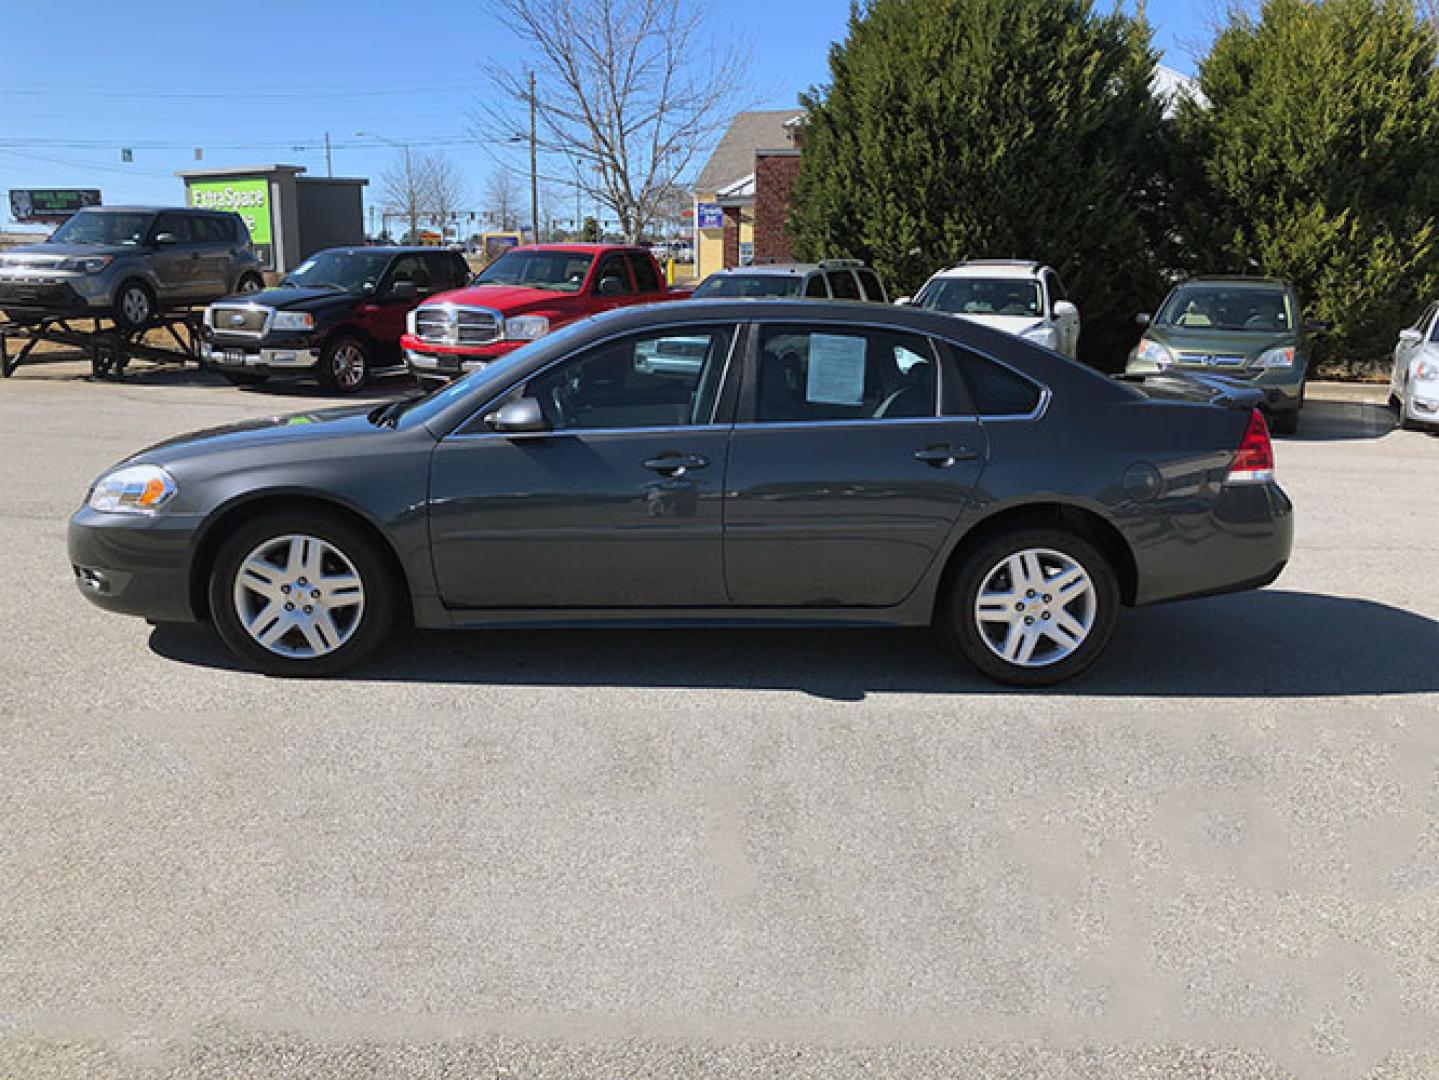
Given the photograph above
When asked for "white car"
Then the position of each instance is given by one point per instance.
(1414, 382)
(1022, 298)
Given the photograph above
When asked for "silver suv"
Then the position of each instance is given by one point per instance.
(830, 279)
(129, 263)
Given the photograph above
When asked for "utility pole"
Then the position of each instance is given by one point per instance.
(329, 165)
(534, 165)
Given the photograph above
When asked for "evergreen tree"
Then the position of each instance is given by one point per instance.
(1317, 160)
(956, 129)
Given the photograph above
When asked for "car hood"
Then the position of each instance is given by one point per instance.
(1010, 324)
(291, 432)
(287, 299)
(509, 299)
(1246, 343)
(47, 254)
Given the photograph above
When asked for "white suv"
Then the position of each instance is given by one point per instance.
(1021, 298)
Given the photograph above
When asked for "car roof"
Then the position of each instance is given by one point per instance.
(585, 249)
(765, 269)
(150, 210)
(384, 249)
(1020, 269)
(1236, 281)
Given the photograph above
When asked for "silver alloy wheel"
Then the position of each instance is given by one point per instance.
(348, 366)
(299, 596)
(1036, 607)
(135, 305)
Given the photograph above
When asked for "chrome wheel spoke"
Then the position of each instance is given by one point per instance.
(270, 632)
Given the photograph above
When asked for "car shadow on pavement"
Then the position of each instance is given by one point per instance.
(1253, 645)
(1339, 421)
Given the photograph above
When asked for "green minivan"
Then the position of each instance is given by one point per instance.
(1241, 328)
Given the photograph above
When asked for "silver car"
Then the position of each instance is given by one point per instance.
(1414, 381)
(129, 263)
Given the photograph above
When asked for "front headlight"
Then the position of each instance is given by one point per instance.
(92, 264)
(1152, 352)
(1426, 371)
(135, 489)
(293, 320)
(1275, 358)
(526, 327)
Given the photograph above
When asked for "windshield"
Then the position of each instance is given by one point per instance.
(105, 227)
(351, 271)
(983, 296)
(554, 271)
(1227, 308)
(749, 285)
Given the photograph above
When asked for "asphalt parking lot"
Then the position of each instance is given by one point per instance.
(762, 854)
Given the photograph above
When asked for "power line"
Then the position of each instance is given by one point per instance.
(239, 94)
(87, 165)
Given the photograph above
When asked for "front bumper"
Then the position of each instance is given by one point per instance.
(254, 357)
(432, 364)
(59, 294)
(1422, 408)
(135, 565)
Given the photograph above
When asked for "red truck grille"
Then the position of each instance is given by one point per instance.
(449, 324)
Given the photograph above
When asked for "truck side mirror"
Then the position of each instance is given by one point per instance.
(1063, 309)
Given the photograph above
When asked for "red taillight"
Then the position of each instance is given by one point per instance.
(1254, 463)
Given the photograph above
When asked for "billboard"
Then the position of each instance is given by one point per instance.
(50, 205)
(250, 198)
(711, 215)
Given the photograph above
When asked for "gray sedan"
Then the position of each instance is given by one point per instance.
(789, 463)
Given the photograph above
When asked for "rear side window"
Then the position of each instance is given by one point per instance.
(995, 389)
(216, 230)
(842, 284)
(873, 290)
(411, 268)
(841, 373)
(647, 279)
(815, 287)
(447, 271)
(613, 266)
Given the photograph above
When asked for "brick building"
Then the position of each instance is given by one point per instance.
(743, 192)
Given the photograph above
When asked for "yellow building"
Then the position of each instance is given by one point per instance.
(724, 194)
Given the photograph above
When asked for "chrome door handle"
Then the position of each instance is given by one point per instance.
(942, 457)
(676, 464)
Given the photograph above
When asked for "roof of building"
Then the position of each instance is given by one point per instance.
(733, 158)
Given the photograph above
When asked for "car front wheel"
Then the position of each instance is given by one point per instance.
(344, 365)
(134, 306)
(302, 593)
(1033, 607)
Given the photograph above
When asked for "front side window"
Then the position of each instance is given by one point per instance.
(552, 271)
(411, 268)
(105, 227)
(668, 378)
(814, 374)
(1214, 307)
(983, 296)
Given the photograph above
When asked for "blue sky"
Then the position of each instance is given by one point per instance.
(266, 86)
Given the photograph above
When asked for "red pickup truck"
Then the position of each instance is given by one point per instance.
(522, 295)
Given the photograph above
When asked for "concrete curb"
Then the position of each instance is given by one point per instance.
(1362, 393)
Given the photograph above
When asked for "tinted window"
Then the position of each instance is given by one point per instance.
(411, 268)
(873, 290)
(613, 266)
(177, 225)
(843, 285)
(996, 390)
(214, 229)
(815, 287)
(647, 279)
(666, 378)
(841, 374)
(447, 271)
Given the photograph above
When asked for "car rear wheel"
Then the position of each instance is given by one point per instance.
(344, 365)
(1033, 606)
(302, 593)
(134, 306)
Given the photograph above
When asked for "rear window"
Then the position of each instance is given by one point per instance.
(749, 285)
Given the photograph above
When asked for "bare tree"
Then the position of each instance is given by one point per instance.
(629, 88)
(445, 189)
(502, 198)
(404, 183)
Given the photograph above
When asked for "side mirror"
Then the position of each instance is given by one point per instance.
(1143, 319)
(903, 301)
(161, 239)
(403, 290)
(1063, 309)
(1410, 336)
(611, 286)
(1319, 326)
(518, 416)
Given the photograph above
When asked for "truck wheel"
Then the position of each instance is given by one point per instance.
(1032, 606)
(344, 365)
(134, 306)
